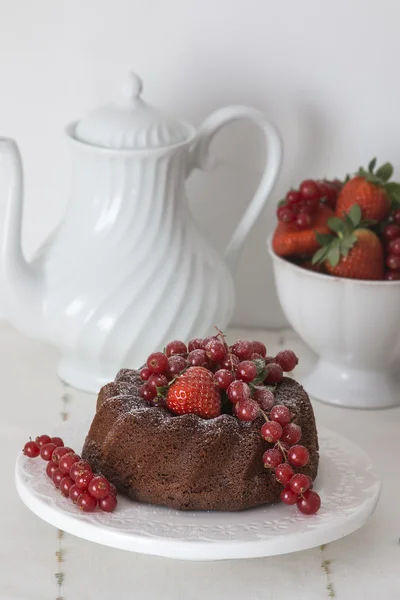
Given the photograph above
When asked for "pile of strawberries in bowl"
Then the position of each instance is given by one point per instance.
(347, 229)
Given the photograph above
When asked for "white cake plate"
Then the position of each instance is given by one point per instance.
(347, 483)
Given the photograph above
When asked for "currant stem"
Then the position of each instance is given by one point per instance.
(221, 335)
(223, 340)
(281, 448)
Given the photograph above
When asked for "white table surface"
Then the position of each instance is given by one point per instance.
(364, 565)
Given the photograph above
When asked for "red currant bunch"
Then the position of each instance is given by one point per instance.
(391, 236)
(285, 455)
(72, 475)
(300, 206)
(246, 378)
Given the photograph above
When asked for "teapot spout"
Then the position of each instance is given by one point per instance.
(21, 285)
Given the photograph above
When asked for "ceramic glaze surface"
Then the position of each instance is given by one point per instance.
(131, 124)
(347, 482)
(127, 270)
(145, 273)
(353, 326)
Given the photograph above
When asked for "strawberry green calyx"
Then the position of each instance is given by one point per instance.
(342, 239)
(380, 178)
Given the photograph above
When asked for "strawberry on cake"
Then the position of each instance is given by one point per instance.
(208, 426)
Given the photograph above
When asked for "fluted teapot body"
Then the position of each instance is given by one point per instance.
(127, 270)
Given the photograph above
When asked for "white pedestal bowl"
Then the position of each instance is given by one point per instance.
(353, 326)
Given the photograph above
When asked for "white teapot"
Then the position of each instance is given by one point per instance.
(126, 270)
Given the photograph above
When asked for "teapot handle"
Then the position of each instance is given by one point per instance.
(199, 159)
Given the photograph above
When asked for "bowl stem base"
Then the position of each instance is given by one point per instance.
(353, 388)
(82, 376)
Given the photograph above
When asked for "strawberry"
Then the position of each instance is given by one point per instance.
(195, 392)
(371, 190)
(352, 251)
(289, 240)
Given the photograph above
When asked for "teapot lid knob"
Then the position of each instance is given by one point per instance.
(130, 123)
(133, 87)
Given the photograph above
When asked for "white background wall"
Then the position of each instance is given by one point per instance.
(326, 73)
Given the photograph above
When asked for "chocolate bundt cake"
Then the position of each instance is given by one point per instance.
(187, 462)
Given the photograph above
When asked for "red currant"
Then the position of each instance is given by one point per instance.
(41, 440)
(247, 410)
(157, 362)
(46, 451)
(285, 214)
(50, 468)
(65, 484)
(108, 504)
(158, 402)
(291, 433)
(99, 487)
(238, 391)
(57, 441)
(146, 392)
(288, 496)
(155, 381)
(309, 189)
(293, 197)
(284, 473)
(79, 467)
(207, 340)
(197, 358)
(337, 184)
(269, 360)
(176, 364)
(145, 373)
(195, 344)
(331, 194)
(272, 458)
(307, 207)
(243, 349)
(113, 490)
(271, 431)
(86, 502)
(230, 362)
(396, 216)
(303, 220)
(391, 232)
(83, 478)
(298, 456)
(392, 276)
(287, 360)
(309, 503)
(246, 371)
(300, 483)
(175, 347)
(274, 374)
(215, 350)
(57, 477)
(74, 493)
(259, 348)
(324, 189)
(393, 262)
(264, 398)
(60, 452)
(67, 461)
(224, 378)
(31, 449)
(310, 206)
(280, 414)
(394, 247)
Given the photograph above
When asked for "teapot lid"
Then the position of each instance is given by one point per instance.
(131, 124)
